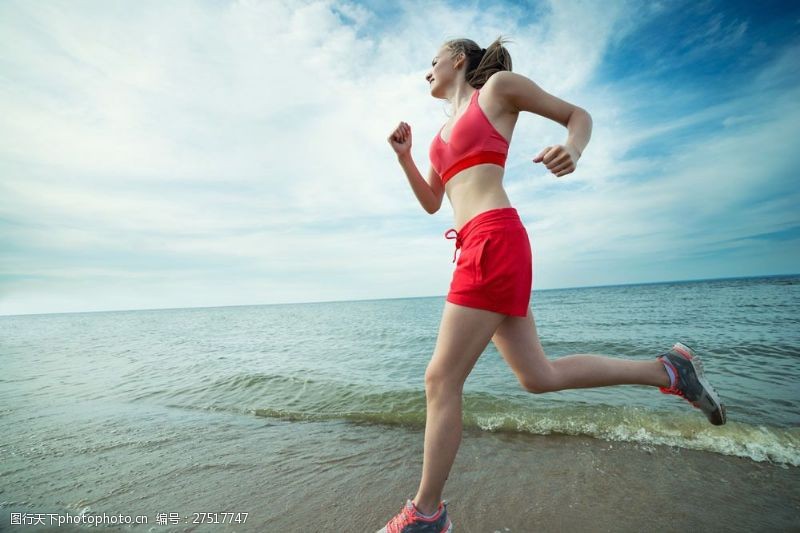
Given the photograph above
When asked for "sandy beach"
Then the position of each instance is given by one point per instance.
(345, 477)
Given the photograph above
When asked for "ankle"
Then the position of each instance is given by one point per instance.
(669, 373)
(426, 507)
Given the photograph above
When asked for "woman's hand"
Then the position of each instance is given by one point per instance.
(400, 139)
(560, 159)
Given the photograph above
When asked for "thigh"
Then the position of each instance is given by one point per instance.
(464, 333)
(518, 342)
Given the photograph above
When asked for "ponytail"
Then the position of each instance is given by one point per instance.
(481, 62)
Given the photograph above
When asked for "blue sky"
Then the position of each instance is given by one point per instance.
(175, 154)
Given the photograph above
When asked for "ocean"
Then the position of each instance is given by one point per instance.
(209, 409)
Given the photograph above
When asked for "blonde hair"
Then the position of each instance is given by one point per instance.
(481, 63)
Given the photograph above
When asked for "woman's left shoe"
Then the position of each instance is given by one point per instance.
(691, 384)
(410, 520)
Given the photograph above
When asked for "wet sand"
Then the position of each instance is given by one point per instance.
(345, 477)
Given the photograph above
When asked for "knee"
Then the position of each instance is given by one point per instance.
(535, 386)
(438, 383)
(543, 381)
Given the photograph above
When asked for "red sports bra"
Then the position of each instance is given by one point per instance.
(473, 140)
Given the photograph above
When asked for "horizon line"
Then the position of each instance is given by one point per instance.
(401, 297)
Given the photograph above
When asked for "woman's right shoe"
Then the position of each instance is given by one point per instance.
(410, 520)
(691, 384)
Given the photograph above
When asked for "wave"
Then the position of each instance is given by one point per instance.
(639, 425)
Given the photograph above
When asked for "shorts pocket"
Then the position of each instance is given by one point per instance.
(479, 262)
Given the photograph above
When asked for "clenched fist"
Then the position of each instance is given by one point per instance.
(560, 159)
(400, 139)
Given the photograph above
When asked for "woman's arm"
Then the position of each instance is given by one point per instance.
(428, 193)
(522, 94)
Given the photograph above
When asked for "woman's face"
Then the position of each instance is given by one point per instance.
(442, 72)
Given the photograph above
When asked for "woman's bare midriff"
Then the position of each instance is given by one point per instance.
(475, 190)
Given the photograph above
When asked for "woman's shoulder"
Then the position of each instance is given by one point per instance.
(495, 93)
(505, 79)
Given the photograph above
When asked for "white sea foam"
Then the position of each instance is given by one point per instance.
(759, 443)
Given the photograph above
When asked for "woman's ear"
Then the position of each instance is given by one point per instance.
(460, 58)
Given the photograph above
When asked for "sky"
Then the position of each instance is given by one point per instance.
(208, 153)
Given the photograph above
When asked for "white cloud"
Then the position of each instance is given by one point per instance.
(234, 152)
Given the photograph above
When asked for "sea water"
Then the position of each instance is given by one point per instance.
(364, 362)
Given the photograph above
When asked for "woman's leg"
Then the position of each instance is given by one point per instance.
(464, 333)
(518, 342)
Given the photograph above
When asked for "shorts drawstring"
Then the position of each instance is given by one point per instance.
(459, 242)
(498, 217)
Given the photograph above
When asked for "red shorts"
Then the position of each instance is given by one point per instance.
(495, 266)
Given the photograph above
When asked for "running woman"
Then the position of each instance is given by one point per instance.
(491, 286)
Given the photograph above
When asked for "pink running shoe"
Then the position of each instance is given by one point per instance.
(410, 520)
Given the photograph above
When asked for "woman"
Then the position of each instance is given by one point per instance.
(491, 286)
